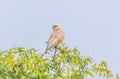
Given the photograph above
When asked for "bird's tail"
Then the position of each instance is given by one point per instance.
(46, 51)
(48, 48)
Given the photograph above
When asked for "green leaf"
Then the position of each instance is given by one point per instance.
(89, 73)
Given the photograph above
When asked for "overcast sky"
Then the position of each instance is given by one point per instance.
(91, 25)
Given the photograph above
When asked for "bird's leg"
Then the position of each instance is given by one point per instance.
(55, 51)
(54, 54)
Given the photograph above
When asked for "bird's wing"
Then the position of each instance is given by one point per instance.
(51, 41)
(56, 37)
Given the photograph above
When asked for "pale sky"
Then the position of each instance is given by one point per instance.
(91, 25)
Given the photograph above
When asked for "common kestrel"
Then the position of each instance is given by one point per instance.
(56, 38)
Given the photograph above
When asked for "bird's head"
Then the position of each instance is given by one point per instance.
(56, 27)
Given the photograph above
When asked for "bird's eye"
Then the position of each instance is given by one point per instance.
(56, 26)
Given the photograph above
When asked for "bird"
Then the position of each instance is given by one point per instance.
(55, 39)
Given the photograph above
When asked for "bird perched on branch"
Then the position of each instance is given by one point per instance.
(55, 39)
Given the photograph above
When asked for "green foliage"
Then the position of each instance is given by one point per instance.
(19, 63)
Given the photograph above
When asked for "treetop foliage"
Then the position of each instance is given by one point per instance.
(20, 63)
